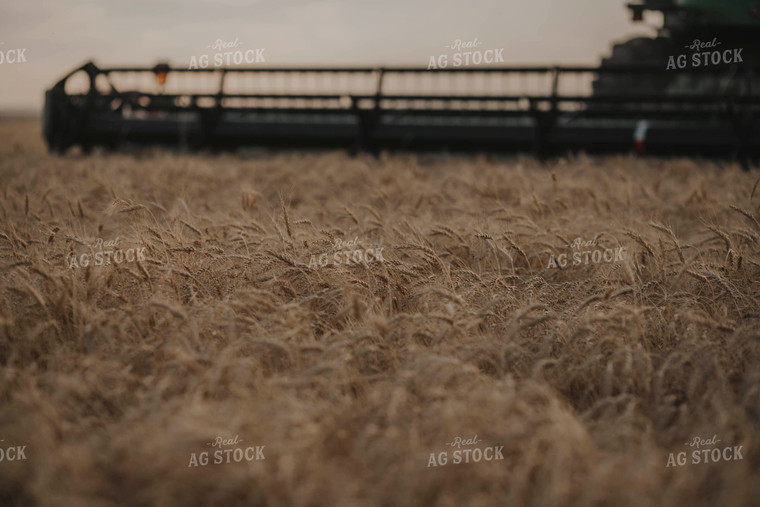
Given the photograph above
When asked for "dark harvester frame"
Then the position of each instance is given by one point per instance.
(690, 123)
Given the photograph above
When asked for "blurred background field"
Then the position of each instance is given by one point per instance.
(352, 375)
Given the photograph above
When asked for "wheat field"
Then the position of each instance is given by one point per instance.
(226, 330)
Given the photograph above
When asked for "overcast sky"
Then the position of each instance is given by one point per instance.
(59, 35)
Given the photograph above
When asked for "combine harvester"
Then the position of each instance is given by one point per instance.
(662, 95)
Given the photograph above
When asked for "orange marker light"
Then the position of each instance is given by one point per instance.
(161, 71)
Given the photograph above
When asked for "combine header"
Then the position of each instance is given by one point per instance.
(537, 109)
